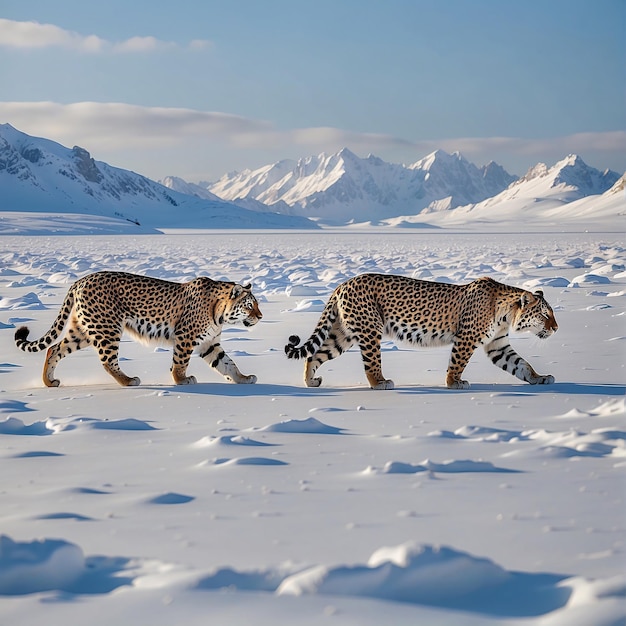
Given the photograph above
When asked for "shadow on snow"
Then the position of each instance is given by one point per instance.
(261, 389)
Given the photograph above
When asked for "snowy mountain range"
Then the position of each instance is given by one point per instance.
(568, 192)
(192, 189)
(39, 175)
(343, 187)
(549, 193)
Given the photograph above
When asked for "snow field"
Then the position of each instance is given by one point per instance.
(273, 503)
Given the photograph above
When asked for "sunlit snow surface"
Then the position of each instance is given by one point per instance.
(277, 504)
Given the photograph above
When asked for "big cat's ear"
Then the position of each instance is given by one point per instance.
(248, 287)
(236, 291)
(539, 293)
(526, 299)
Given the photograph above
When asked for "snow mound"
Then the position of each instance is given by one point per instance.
(309, 425)
(28, 281)
(171, 498)
(485, 433)
(551, 281)
(124, 424)
(419, 574)
(447, 467)
(29, 567)
(229, 440)
(27, 302)
(589, 279)
(611, 408)
(15, 426)
(308, 305)
(249, 460)
(444, 577)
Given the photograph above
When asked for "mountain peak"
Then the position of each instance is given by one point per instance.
(496, 176)
(571, 160)
(7, 128)
(567, 181)
(439, 159)
(536, 171)
(340, 187)
(572, 171)
(346, 153)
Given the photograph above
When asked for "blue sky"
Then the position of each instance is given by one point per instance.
(196, 89)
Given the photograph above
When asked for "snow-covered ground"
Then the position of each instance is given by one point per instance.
(277, 504)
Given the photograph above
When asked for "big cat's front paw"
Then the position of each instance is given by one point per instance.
(241, 379)
(548, 379)
(384, 384)
(458, 384)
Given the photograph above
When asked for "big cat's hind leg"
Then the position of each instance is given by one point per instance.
(334, 345)
(72, 342)
(107, 345)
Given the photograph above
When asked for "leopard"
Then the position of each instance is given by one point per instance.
(99, 307)
(426, 313)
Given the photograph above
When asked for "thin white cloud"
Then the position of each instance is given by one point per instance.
(141, 44)
(116, 125)
(325, 135)
(612, 141)
(27, 35)
(107, 129)
(199, 44)
(33, 35)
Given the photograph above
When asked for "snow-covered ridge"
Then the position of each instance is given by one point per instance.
(342, 187)
(569, 191)
(176, 183)
(41, 176)
(571, 174)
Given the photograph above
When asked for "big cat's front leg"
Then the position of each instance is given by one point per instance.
(215, 356)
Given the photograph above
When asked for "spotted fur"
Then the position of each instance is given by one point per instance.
(101, 306)
(367, 307)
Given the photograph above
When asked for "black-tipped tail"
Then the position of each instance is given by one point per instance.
(291, 349)
(21, 334)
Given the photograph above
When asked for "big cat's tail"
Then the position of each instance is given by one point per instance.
(21, 334)
(293, 351)
(320, 334)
